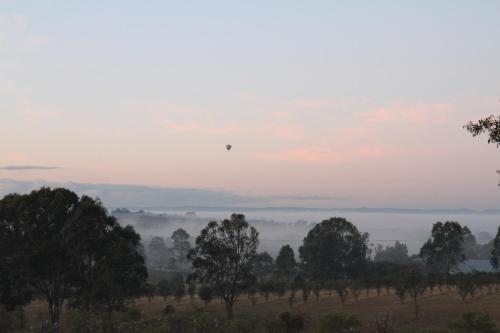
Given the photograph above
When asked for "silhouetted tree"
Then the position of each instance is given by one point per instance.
(280, 288)
(177, 287)
(495, 253)
(191, 289)
(341, 288)
(266, 288)
(466, 285)
(401, 290)
(222, 257)
(206, 294)
(397, 254)
(181, 247)
(163, 289)
(316, 289)
(262, 266)
(355, 288)
(414, 281)
(158, 253)
(149, 291)
(445, 248)
(334, 248)
(108, 266)
(252, 293)
(286, 265)
(14, 284)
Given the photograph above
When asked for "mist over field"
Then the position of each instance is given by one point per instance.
(279, 219)
(280, 226)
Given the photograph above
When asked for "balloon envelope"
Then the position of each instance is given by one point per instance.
(228, 147)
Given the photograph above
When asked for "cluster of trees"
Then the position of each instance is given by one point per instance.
(163, 258)
(59, 247)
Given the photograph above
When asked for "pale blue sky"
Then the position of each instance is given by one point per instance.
(358, 99)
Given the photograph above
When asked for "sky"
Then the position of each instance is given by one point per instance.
(355, 103)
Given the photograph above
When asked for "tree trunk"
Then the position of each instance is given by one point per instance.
(55, 313)
(229, 310)
(416, 307)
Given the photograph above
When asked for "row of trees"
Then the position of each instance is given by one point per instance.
(225, 258)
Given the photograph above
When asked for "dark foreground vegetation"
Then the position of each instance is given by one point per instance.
(67, 254)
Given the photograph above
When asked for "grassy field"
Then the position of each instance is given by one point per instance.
(436, 311)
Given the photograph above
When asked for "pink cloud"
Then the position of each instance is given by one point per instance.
(313, 103)
(418, 113)
(181, 127)
(25, 108)
(225, 129)
(7, 87)
(17, 158)
(184, 127)
(288, 132)
(325, 155)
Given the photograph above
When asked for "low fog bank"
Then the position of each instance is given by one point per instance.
(277, 225)
(278, 228)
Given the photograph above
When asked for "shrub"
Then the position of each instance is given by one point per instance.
(266, 288)
(291, 297)
(206, 294)
(401, 291)
(240, 325)
(339, 323)
(191, 290)
(280, 288)
(355, 289)
(82, 321)
(251, 293)
(465, 286)
(341, 290)
(287, 323)
(168, 310)
(11, 321)
(474, 322)
(316, 289)
(178, 287)
(385, 324)
(163, 289)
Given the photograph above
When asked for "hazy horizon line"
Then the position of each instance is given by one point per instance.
(187, 198)
(394, 210)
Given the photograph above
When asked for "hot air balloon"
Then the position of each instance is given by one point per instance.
(228, 147)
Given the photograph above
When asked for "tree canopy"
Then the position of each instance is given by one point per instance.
(397, 254)
(495, 253)
(334, 249)
(489, 125)
(262, 266)
(445, 247)
(286, 265)
(223, 256)
(181, 248)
